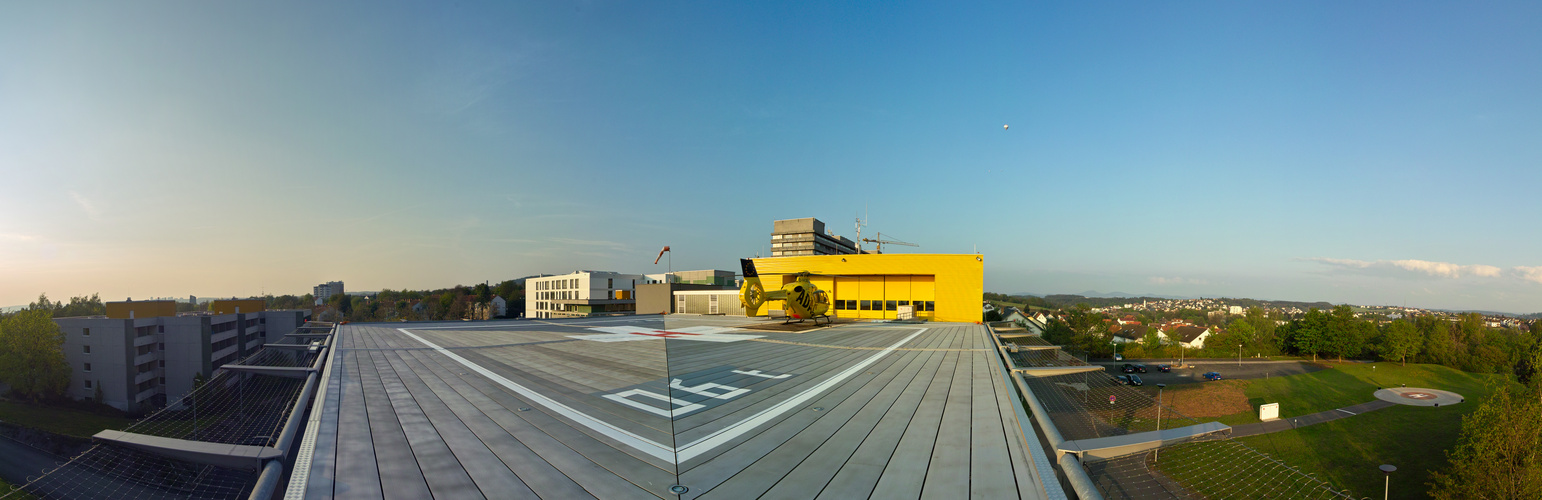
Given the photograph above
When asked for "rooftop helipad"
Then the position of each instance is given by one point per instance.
(631, 407)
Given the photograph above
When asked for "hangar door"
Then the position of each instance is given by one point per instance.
(879, 297)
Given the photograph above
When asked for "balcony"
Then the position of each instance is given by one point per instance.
(146, 394)
(142, 377)
(222, 353)
(226, 335)
(151, 357)
(145, 340)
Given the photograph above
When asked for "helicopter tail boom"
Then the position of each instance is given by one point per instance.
(752, 294)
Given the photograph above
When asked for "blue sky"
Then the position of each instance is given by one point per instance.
(1374, 153)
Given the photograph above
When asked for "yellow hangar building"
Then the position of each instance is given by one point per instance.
(940, 287)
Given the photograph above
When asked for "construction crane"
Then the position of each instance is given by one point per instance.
(881, 242)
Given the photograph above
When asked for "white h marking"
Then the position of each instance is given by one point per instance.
(757, 373)
(648, 446)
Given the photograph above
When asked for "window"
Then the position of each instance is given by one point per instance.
(85, 332)
(840, 305)
(161, 346)
(88, 368)
(931, 306)
(866, 305)
(889, 305)
(87, 349)
(610, 282)
(88, 384)
(160, 329)
(904, 302)
(162, 363)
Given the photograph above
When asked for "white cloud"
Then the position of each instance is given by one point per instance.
(86, 205)
(1446, 269)
(1530, 273)
(1427, 268)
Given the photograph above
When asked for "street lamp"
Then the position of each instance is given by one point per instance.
(1116, 350)
(1158, 453)
(1239, 355)
(1387, 470)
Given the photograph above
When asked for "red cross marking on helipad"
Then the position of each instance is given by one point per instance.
(664, 334)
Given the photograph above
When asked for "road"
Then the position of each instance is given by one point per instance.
(1193, 369)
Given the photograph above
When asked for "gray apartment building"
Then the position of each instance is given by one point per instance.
(142, 361)
(323, 291)
(807, 237)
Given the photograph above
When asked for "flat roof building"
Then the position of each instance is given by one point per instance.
(668, 407)
(581, 293)
(807, 236)
(325, 290)
(141, 361)
(938, 287)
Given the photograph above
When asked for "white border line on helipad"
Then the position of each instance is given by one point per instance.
(654, 448)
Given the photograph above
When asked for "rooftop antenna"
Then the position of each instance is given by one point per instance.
(861, 221)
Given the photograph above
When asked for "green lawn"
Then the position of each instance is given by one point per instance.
(1346, 452)
(59, 420)
(1350, 384)
(7, 488)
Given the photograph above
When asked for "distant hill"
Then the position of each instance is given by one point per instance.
(1095, 299)
(11, 309)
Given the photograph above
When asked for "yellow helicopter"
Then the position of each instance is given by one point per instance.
(804, 300)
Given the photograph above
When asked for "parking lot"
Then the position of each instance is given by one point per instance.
(1193, 369)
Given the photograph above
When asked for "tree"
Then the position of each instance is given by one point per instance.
(43, 304)
(1243, 330)
(1499, 454)
(446, 301)
(343, 303)
(1306, 335)
(80, 306)
(32, 355)
(1439, 345)
(1399, 341)
(483, 293)
(1527, 368)
(507, 290)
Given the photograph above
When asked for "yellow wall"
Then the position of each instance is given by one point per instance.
(247, 306)
(141, 309)
(955, 282)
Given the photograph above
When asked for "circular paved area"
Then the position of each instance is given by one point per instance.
(1414, 396)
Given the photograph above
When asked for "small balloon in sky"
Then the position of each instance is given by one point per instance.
(1004, 127)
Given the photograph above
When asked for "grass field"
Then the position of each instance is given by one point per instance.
(7, 488)
(59, 420)
(1347, 451)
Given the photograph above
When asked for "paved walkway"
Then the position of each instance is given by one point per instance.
(1309, 419)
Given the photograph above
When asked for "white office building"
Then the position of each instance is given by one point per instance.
(582, 293)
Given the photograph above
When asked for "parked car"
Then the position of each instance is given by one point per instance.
(1118, 357)
(1127, 368)
(1123, 379)
(1164, 368)
(1140, 368)
(1212, 376)
(1135, 380)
